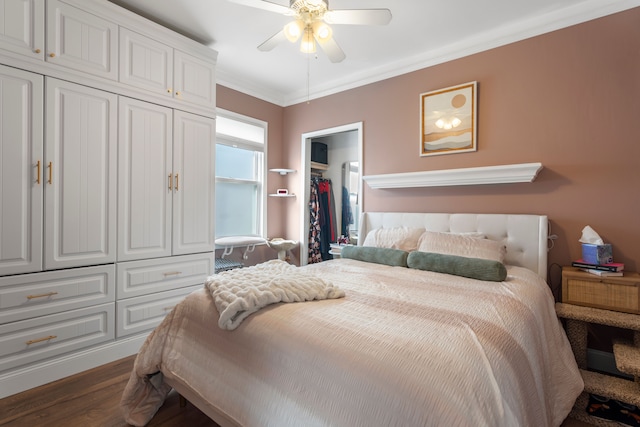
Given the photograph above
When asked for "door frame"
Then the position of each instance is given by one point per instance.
(305, 176)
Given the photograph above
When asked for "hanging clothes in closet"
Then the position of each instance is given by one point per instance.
(322, 220)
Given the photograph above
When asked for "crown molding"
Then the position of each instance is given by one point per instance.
(231, 81)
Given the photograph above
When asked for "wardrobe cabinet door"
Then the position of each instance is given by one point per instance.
(195, 80)
(146, 63)
(145, 180)
(194, 183)
(21, 180)
(82, 41)
(79, 175)
(24, 32)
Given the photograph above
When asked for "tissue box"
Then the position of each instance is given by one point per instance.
(597, 254)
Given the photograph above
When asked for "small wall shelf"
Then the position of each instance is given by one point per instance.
(503, 174)
(282, 195)
(282, 171)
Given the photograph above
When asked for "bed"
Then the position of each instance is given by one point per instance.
(405, 346)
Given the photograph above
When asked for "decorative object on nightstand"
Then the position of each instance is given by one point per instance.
(612, 301)
(597, 256)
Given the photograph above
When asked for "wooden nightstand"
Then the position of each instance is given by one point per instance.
(609, 293)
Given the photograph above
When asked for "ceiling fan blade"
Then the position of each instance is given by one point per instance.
(358, 16)
(272, 41)
(265, 5)
(331, 49)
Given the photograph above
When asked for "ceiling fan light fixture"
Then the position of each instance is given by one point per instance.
(311, 23)
(322, 31)
(308, 43)
(309, 5)
(293, 30)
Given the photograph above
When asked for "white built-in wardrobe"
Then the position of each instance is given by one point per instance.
(107, 133)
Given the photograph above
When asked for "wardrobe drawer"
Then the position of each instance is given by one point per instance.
(144, 313)
(34, 340)
(136, 278)
(38, 294)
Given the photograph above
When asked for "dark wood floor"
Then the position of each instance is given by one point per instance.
(92, 398)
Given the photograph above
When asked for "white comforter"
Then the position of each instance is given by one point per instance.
(403, 348)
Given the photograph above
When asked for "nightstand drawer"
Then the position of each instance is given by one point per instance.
(610, 293)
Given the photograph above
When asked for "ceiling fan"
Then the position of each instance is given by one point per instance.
(310, 24)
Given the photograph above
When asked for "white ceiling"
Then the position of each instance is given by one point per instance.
(421, 33)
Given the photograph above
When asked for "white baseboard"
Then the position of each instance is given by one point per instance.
(604, 362)
(52, 370)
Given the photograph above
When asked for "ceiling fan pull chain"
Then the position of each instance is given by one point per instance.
(308, 75)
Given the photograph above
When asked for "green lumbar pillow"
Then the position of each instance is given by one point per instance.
(474, 268)
(387, 256)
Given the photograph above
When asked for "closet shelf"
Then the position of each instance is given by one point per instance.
(503, 174)
(319, 166)
(282, 171)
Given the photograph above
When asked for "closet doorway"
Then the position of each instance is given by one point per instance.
(339, 140)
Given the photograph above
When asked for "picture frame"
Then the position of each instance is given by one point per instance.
(448, 120)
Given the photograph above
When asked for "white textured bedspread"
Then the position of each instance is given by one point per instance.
(404, 347)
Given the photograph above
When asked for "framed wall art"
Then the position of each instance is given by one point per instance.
(448, 120)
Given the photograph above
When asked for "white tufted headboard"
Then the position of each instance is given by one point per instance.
(525, 236)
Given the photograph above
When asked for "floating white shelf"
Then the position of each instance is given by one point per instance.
(282, 171)
(503, 174)
(282, 195)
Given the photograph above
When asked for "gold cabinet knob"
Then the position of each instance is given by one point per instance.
(37, 51)
(169, 90)
(52, 55)
(177, 93)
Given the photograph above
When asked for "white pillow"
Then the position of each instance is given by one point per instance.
(403, 238)
(461, 245)
(476, 234)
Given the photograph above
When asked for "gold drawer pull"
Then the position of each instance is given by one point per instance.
(50, 173)
(169, 308)
(170, 181)
(49, 294)
(176, 182)
(50, 337)
(171, 273)
(38, 168)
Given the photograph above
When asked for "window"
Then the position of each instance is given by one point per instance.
(240, 175)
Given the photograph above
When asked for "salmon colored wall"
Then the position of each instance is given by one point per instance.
(568, 99)
(241, 103)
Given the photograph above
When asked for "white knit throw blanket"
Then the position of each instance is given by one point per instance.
(239, 293)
